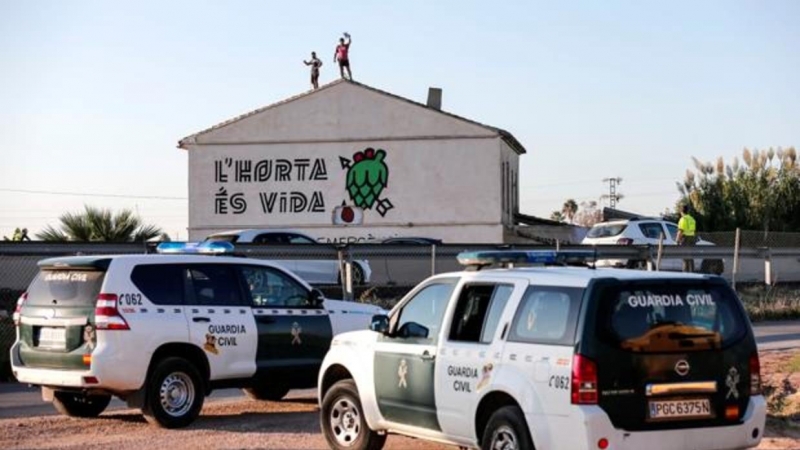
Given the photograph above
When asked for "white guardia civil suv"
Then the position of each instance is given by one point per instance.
(162, 331)
(550, 358)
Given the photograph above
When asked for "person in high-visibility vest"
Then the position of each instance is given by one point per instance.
(687, 235)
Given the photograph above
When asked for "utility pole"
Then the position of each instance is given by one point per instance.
(613, 196)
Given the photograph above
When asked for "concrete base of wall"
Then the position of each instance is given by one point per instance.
(478, 233)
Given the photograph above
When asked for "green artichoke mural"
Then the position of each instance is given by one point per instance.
(367, 177)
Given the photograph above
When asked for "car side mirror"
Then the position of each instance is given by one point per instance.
(316, 298)
(380, 324)
(413, 330)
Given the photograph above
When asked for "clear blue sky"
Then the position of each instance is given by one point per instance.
(95, 95)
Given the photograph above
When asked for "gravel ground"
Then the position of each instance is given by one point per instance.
(224, 424)
(291, 424)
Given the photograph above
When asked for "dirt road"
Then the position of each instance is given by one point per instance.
(224, 424)
(235, 422)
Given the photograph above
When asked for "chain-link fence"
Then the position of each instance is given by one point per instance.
(382, 274)
(754, 239)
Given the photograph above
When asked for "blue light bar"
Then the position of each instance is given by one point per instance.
(203, 248)
(491, 257)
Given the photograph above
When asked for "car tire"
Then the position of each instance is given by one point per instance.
(636, 264)
(507, 429)
(712, 266)
(74, 404)
(342, 420)
(358, 275)
(174, 394)
(268, 392)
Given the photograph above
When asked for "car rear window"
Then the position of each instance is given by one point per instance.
(162, 284)
(601, 231)
(65, 288)
(232, 238)
(666, 317)
(547, 315)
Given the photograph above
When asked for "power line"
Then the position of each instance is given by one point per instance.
(578, 199)
(83, 194)
(577, 182)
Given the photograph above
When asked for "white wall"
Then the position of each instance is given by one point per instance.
(431, 183)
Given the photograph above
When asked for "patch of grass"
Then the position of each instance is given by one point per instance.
(793, 365)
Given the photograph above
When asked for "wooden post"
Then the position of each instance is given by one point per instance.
(660, 251)
(735, 258)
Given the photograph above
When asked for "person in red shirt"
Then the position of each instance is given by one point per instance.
(341, 55)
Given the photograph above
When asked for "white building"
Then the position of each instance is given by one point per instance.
(413, 170)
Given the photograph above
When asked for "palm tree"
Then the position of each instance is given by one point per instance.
(101, 225)
(558, 216)
(569, 209)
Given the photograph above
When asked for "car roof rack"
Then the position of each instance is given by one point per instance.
(509, 258)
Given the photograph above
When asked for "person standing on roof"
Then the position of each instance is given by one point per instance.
(687, 228)
(341, 55)
(315, 64)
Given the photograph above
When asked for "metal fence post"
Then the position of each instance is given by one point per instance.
(342, 271)
(767, 267)
(433, 259)
(660, 251)
(348, 270)
(735, 258)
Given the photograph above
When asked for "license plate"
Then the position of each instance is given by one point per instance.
(53, 337)
(680, 409)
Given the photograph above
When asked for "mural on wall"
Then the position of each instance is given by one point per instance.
(367, 177)
(275, 171)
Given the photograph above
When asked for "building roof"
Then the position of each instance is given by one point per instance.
(507, 137)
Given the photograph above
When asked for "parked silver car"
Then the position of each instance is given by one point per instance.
(321, 271)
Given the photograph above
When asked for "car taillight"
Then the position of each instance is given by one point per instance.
(584, 381)
(755, 374)
(18, 309)
(106, 314)
(624, 241)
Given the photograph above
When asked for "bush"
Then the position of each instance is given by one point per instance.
(781, 302)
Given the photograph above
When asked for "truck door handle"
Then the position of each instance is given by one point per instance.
(427, 356)
(201, 319)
